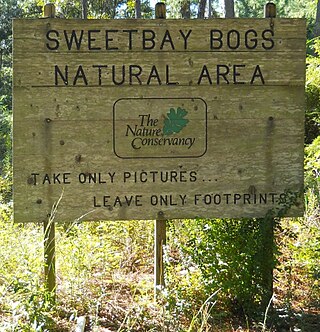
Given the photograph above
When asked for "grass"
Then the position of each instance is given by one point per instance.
(105, 273)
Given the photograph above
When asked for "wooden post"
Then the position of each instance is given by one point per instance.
(49, 10)
(48, 225)
(267, 228)
(160, 223)
(266, 259)
(159, 242)
(49, 255)
(160, 10)
(270, 10)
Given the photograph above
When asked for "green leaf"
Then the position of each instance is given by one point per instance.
(174, 122)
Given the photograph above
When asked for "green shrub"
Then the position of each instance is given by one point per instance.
(228, 257)
(226, 251)
(312, 123)
(312, 175)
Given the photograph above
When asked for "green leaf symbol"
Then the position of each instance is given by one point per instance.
(174, 122)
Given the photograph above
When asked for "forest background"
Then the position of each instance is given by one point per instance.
(214, 269)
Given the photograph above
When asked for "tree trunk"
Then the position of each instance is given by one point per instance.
(185, 9)
(202, 8)
(138, 8)
(209, 8)
(84, 9)
(316, 30)
(229, 8)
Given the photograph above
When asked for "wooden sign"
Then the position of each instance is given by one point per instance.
(136, 119)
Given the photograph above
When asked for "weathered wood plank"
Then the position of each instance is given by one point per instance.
(201, 204)
(60, 137)
(68, 104)
(287, 34)
(170, 69)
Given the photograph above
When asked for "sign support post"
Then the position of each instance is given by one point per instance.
(159, 242)
(267, 223)
(160, 223)
(49, 255)
(49, 225)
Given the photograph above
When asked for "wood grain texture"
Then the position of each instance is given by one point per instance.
(287, 32)
(199, 132)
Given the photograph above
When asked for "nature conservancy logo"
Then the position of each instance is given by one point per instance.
(175, 121)
(159, 127)
(155, 132)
